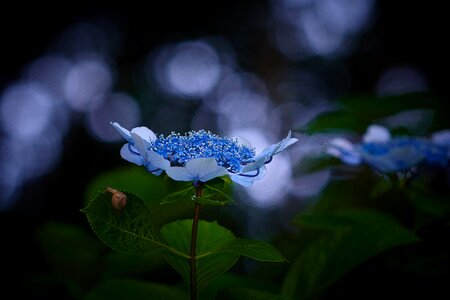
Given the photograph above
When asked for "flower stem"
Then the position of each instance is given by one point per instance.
(192, 260)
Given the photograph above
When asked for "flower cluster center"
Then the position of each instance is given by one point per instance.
(179, 149)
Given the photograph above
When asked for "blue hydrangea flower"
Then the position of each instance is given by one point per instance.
(386, 154)
(197, 156)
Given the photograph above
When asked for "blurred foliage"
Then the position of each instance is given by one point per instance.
(356, 113)
(342, 240)
(365, 236)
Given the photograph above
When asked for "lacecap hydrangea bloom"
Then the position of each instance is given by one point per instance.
(388, 154)
(197, 156)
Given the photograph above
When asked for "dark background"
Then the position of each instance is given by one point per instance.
(404, 32)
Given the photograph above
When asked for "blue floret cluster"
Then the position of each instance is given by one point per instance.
(179, 149)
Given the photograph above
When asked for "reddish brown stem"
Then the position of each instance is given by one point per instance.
(192, 260)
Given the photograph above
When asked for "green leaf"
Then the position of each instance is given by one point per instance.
(187, 194)
(210, 238)
(150, 188)
(128, 289)
(374, 107)
(337, 121)
(254, 249)
(317, 162)
(217, 192)
(239, 293)
(350, 238)
(229, 279)
(428, 201)
(357, 112)
(129, 230)
(143, 184)
(217, 250)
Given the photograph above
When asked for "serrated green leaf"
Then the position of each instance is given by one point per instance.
(128, 289)
(217, 250)
(210, 237)
(129, 230)
(254, 249)
(150, 188)
(217, 192)
(215, 196)
(240, 293)
(351, 237)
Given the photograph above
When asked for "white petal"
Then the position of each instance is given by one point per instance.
(123, 132)
(270, 151)
(139, 144)
(130, 156)
(441, 137)
(376, 134)
(204, 169)
(144, 133)
(200, 169)
(179, 174)
(157, 161)
(286, 142)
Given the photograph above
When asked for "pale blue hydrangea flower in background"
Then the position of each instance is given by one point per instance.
(197, 156)
(386, 154)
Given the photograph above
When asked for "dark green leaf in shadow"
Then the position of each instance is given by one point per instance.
(428, 201)
(349, 237)
(217, 192)
(136, 179)
(210, 262)
(129, 230)
(374, 107)
(254, 249)
(186, 194)
(230, 279)
(128, 289)
(336, 122)
(240, 293)
(317, 162)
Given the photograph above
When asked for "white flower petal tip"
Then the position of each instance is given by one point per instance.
(125, 133)
(284, 143)
(261, 159)
(376, 134)
(144, 133)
